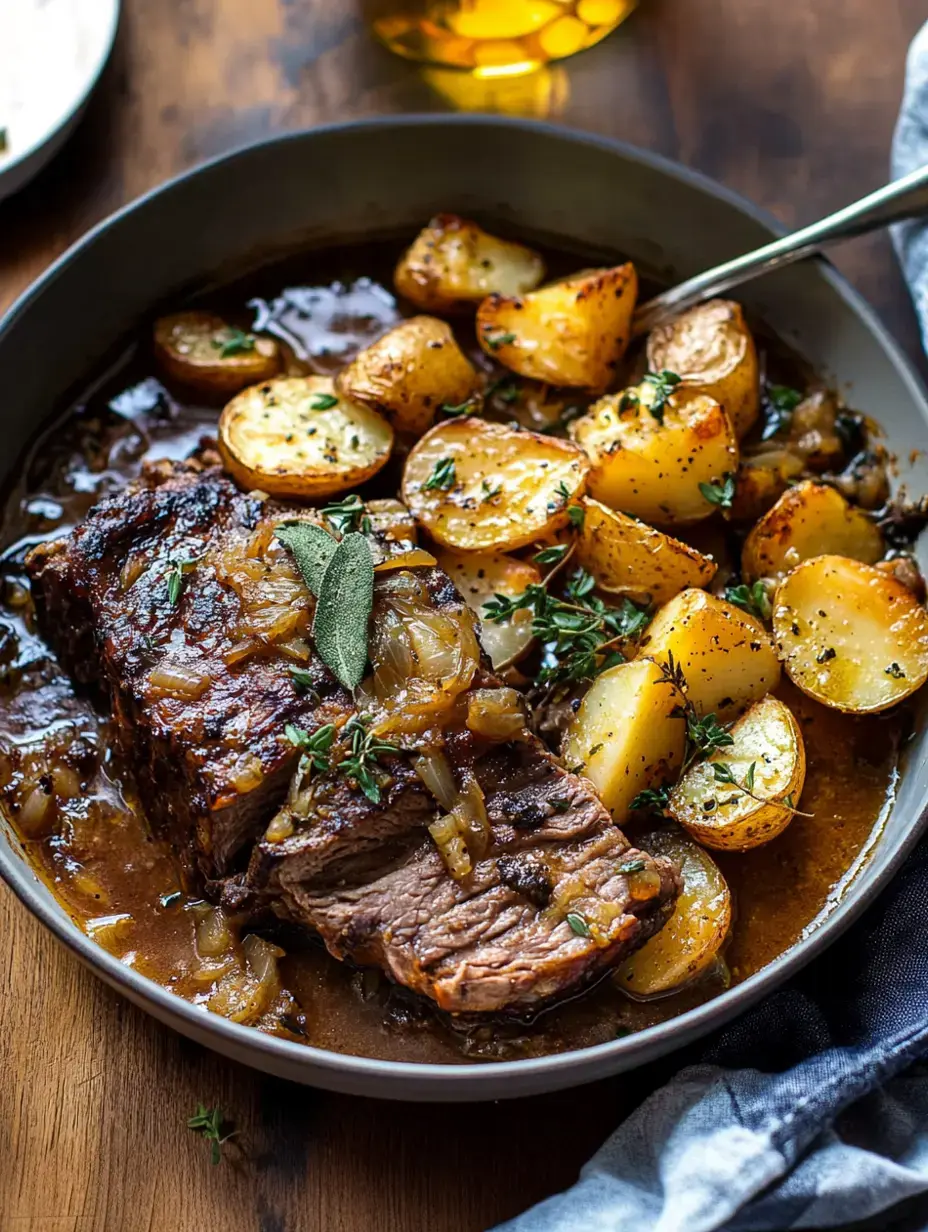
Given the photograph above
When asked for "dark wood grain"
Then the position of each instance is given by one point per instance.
(791, 104)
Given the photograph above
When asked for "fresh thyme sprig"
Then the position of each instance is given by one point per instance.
(175, 574)
(663, 383)
(361, 763)
(752, 599)
(210, 1122)
(345, 515)
(703, 735)
(723, 773)
(234, 342)
(442, 477)
(781, 402)
(721, 494)
(315, 745)
(579, 632)
(653, 799)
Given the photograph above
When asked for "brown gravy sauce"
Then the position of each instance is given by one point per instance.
(119, 883)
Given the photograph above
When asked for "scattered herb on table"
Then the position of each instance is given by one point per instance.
(210, 1123)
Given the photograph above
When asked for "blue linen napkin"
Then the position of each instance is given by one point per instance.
(811, 1111)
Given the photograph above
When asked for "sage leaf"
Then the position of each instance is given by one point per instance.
(312, 549)
(343, 609)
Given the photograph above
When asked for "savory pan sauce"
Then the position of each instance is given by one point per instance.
(74, 806)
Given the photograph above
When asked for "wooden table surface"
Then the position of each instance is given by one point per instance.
(793, 105)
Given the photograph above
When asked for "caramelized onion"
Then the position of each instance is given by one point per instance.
(212, 931)
(179, 679)
(433, 769)
(446, 834)
(497, 714)
(413, 559)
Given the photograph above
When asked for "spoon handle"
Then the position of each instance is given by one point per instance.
(901, 199)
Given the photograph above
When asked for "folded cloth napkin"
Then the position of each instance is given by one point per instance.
(811, 1111)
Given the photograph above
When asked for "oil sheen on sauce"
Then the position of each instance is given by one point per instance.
(90, 840)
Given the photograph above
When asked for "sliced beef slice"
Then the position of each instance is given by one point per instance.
(200, 689)
(371, 882)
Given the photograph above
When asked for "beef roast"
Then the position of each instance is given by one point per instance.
(558, 897)
(175, 598)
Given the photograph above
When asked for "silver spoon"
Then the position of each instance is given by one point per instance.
(902, 199)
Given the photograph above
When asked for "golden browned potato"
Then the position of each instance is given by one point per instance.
(628, 557)
(659, 464)
(409, 373)
(711, 349)
(629, 733)
(745, 795)
(453, 264)
(690, 941)
(201, 350)
(808, 520)
(851, 636)
(294, 436)
(572, 332)
(762, 479)
(478, 486)
(725, 655)
(481, 575)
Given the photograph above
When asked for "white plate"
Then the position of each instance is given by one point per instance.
(52, 53)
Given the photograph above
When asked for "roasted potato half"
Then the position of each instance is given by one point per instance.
(746, 794)
(410, 372)
(453, 264)
(808, 520)
(478, 486)
(202, 351)
(651, 463)
(481, 575)
(629, 557)
(726, 656)
(628, 734)
(690, 941)
(762, 479)
(711, 349)
(851, 636)
(294, 436)
(568, 333)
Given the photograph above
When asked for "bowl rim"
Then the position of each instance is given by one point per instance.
(482, 1080)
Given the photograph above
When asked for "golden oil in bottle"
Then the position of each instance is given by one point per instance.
(494, 38)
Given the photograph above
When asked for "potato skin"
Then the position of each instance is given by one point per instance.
(767, 737)
(453, 264)
(409, 372)
(851, 636)
(188, 347)
(568, 333)
(692, 938)
(711, 349)
(481, 575)
(509, 488)
(272, 438)
(628, 557)
(628, 734)
(651, 469)
(808, 520)
(726, 656)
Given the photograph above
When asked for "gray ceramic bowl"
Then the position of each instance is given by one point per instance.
(387, 175)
